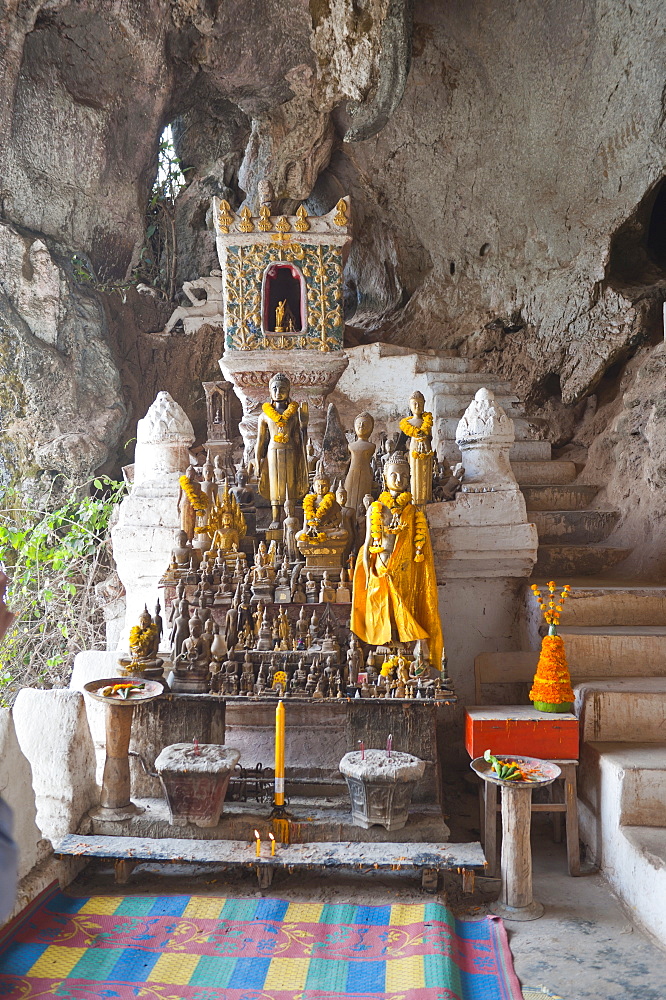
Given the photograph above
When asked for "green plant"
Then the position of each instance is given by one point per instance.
(54, 554)
(156, 265)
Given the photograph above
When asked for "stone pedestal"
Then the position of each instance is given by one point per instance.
(195, 778)
(148, 518)
(381, 787)
(313, 376)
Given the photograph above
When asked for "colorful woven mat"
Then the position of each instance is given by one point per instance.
(207, 948)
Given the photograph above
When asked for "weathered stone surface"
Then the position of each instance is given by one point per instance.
(17, 791)
(53, 733)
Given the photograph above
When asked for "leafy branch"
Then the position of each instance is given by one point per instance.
(54, 556)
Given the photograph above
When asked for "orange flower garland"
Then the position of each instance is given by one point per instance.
(552, 684)
(551, 689)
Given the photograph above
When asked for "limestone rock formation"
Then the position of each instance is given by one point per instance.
(505, 168)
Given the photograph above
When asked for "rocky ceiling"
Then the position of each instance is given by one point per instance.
(505, 162)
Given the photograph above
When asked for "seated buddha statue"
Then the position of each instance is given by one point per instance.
(323, 539)
(226, 527)
(144, 640)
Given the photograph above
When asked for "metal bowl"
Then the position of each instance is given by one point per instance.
(151, 689)
(546, 772)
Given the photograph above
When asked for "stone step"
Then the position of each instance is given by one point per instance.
(530, 451)
(641, 777)
(622, 709)
(312, 820)
(633, 857)
(544, 473)
(454, 403)
(563, 561)
(558, 497)
(598, 602)
(575, 526)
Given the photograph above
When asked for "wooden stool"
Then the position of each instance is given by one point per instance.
(489, 807)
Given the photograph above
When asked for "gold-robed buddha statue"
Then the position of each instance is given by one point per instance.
(280, 457)
(226, 524)
(395, 588)
(324, 537)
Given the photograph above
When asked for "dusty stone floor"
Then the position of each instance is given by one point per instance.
(585, 947)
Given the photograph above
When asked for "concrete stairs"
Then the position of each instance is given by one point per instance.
(571, 532)
(616, 631)
(622, 791)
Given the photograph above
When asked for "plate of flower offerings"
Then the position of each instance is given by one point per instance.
(508, 769)
(119, 690)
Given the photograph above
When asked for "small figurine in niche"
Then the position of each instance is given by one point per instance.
(298, 595)
(450, 484)
(143, 645)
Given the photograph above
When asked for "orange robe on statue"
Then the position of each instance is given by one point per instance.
(401, 595)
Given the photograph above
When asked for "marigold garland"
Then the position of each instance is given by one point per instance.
(141, 638)
(377, 526)
(281, 419)
(424, 431)
(314, 514)
(197, 498)
(552, 683)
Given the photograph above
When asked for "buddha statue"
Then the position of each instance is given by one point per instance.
(326, 590)
(311, 595)
(191, 666)
(394, 595)
(191, 501)
(290, 528)
(144, 640)
(181, 552)
(280, 459)
(323, 539)
(360, 475)
(354, 661)
(226, 527)
(416, 437)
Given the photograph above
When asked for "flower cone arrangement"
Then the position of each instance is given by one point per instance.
(551, 689)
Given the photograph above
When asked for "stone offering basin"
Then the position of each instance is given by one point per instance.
(545, 772)
(381, 787)
(195, 779)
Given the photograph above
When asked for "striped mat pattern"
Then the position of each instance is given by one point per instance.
(209, 948)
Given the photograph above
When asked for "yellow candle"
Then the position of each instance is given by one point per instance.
(272, 840)
(256, 833)
(279, 754)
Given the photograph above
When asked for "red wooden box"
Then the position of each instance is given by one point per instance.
(520, 729)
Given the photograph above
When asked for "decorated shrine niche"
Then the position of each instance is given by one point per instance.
(284, 299)
(282, 278)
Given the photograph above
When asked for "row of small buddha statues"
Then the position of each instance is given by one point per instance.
(259, 654)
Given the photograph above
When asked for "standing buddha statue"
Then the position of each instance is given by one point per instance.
(280, 457)
(395, 589)
(417, 430)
